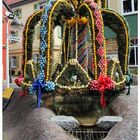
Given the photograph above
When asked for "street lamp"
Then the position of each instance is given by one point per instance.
(14, 22)
(8, 17)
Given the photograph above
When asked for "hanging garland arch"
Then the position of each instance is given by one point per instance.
(55, 11)
(57, 8)
(97, 36)
(28, 32)
(83, 9)
(118, 24)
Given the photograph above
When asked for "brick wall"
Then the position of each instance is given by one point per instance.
(111, 46)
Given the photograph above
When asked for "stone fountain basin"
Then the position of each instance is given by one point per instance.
(22, 120)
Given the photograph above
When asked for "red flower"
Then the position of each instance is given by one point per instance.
(16, 81)
(19, 81)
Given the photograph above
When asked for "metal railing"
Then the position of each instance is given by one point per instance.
(88, 134)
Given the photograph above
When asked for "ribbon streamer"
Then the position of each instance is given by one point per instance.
(102, 100)
(39, 97)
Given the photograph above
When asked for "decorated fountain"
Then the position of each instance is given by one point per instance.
(78, 19)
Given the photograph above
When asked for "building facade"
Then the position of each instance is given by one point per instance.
(5, 30)
(22, 10)
(128, 9)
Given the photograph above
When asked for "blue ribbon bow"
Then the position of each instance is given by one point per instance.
(38, 86)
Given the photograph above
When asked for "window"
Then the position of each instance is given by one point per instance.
(135, 5)
(38, 6)
(59, 32)
(38, 32)
(133, 52)
(129, 6)
(13, 61)
(18, 13)
(36, 58)
(112, 56)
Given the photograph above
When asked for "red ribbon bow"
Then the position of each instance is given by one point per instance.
(101, 84)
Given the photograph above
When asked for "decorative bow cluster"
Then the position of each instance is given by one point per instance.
(39, 86)
(102, 84)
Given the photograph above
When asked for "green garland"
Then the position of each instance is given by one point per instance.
(115, 72)
(61, 8)
(119, 25)
(31, 22)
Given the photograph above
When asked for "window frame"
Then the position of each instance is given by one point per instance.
(128, 13)
(135, 52)
(59, 32)
(37, 7)
(13, 60)
(113, 56)
(20, 13)
(35, 58)
(38, 31)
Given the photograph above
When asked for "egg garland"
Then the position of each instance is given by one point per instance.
(40, 84)
(28, 35)
(101, 69)
(109, 16)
